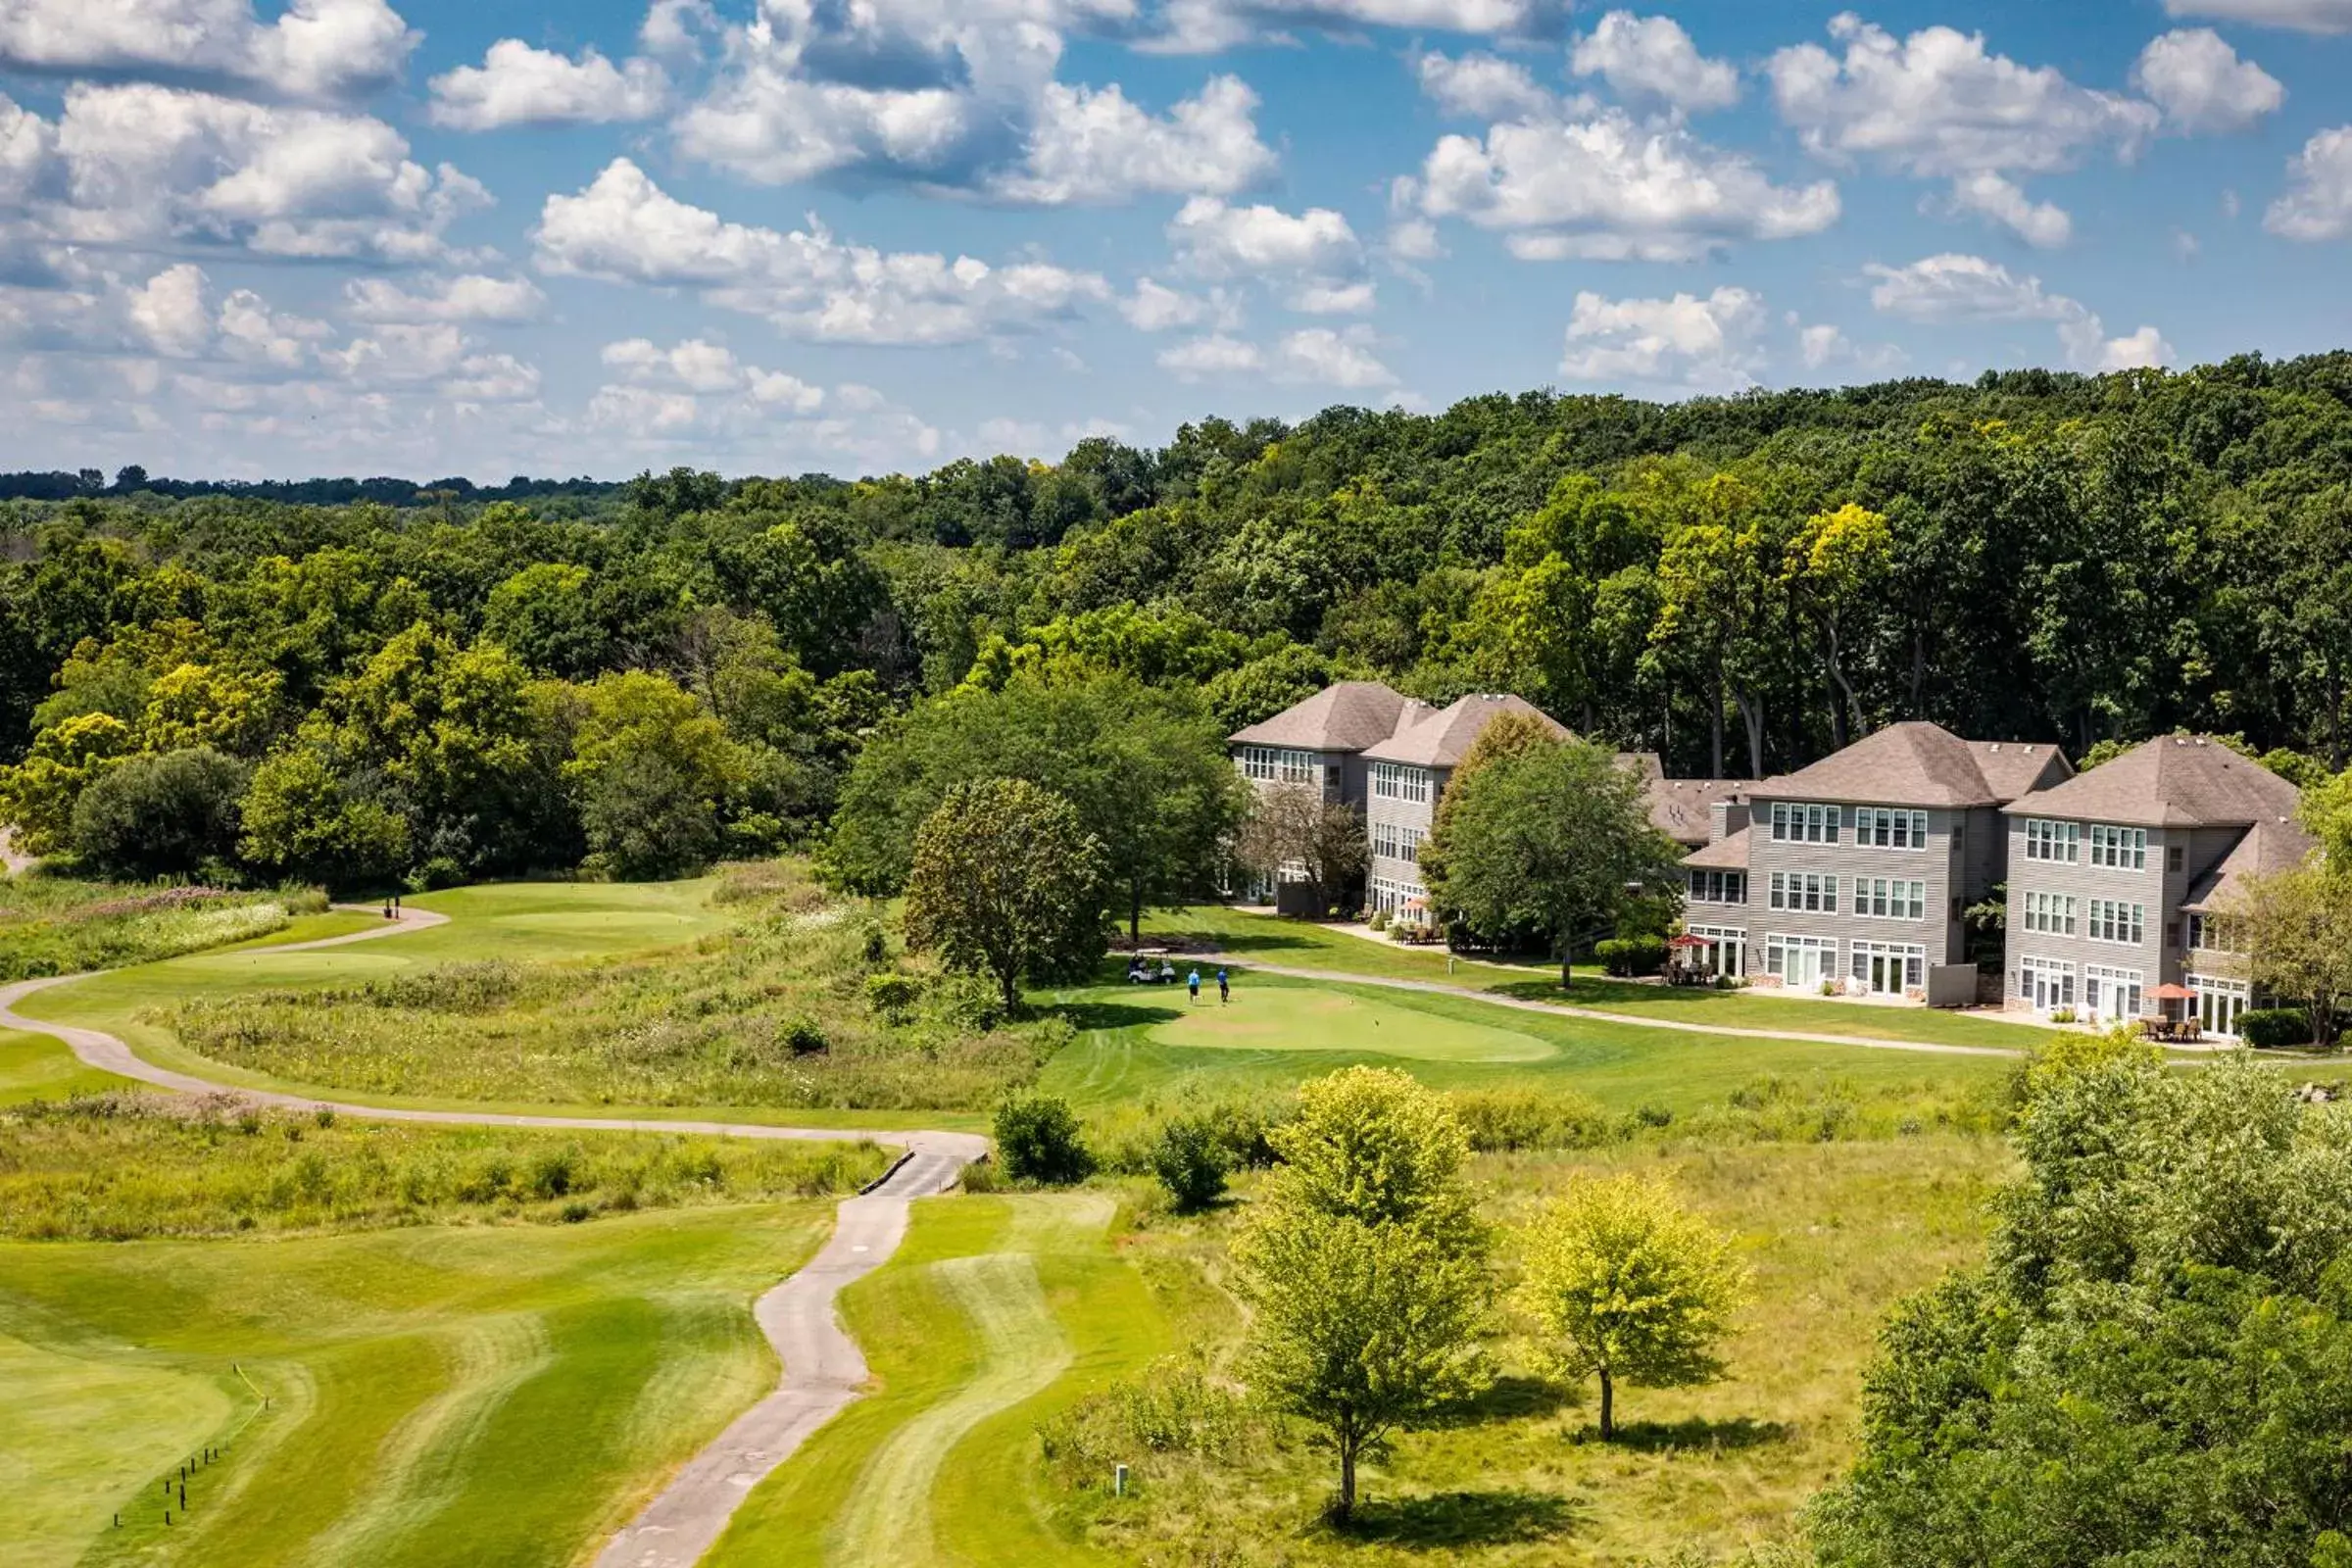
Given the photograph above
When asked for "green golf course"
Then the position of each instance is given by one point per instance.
(996, 1313)
(491, 1395)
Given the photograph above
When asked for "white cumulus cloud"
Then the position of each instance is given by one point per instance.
(516, 84)
(2044, 225)
(1706, 344)
(2300, 16)
(1653, 58)
(1483, 86)
(1206, 27)
(1610, 188)
(624, 229)
(1316, 355)
(2201, 84)
(1096, 147)
(317, 49)
(2317, 202)
(1959, 288)
(469, 297)
(1314, 257)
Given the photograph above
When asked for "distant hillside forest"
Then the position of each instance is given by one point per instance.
(390, 676)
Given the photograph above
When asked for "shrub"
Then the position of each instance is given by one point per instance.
(1190, 1161)
(2275, 1028)
(1503, 1120)
(438, 872)
(162, 815)
(1629, 957)
(1037, 1141)
(1378, 920)
(891, 994)
(2061, 1016)
(803, 1037)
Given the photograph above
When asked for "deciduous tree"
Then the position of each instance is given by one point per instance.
(1631, 1287)
(1007, 883)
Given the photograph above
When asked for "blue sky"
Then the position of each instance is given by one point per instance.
(421, 237)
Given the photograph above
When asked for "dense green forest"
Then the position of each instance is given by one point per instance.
(473, 682)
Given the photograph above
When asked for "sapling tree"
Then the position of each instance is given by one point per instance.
(1631, 1287)
(1365, 1267)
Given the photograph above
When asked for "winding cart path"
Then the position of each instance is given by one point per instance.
(823, 1368)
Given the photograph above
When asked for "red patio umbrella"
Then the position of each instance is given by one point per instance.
(1689, 942)
(2169, 992)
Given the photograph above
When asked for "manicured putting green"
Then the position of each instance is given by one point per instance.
(1264, 1017)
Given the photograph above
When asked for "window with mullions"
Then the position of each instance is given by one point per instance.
(1792, 823)
(2048, 914)
(1886, 827)
(2112, 920)
(2119, 848)
(1885, 899)
(2061, 842)
(1396, 781)
(1809, 892)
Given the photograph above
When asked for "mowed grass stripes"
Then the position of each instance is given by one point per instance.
(998, 1312)
(504, 1395)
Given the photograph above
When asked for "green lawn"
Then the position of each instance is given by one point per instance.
(1300, 945)
(1135, 1045)
(38, 1067)
(996, 1313)
(495, 1394)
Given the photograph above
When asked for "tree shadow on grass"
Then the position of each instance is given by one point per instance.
(1509, 1399)
(1085, 1017)
(1669, 1437)
(1453, 1520)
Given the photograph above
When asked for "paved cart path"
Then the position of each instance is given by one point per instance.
(823, 1369)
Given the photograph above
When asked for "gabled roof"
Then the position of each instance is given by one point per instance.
(2171, 781)
(1345, 718)
(1444, 738)
(1684, 809)
(2266, 848)
(1918, 763)
(1726, 854)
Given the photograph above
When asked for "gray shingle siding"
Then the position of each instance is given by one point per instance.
(1951, 864)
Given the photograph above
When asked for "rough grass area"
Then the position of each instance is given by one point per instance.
(119, 1167)
(1835, 1234)
(52, 925)
(775, 1014)
(37, 1067)
(437, 1395)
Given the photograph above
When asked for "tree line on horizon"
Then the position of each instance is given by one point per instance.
(686, 666)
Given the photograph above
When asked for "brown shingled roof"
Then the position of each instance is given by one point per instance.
(1345, 718)
(1726, 854)
(2265, 847)
(1684, 809)
(1917, 763)
(2171, 781)
(1443, 739)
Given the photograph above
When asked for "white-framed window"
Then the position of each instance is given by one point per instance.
(1800, 960)
(2046, 983)
(1281, 764)
(1811, 892)
(2210, 933)
(2112, 993)
(2045, 840)
(1726, 952)
(1888, 968)
(1887, 828)
(2120, 849)
(1400, 781)
(1397, 841)
(2113, 920)
(1718, 887)
(1890, 899)
(1389, 894)
(2049, 914)
(1794, 823)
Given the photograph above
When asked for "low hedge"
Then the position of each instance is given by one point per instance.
(2275, 1028)
(1631, 956)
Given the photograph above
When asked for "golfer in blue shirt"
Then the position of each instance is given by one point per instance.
(1192, 983)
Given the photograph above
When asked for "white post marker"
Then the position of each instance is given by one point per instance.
(1119, 1480)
